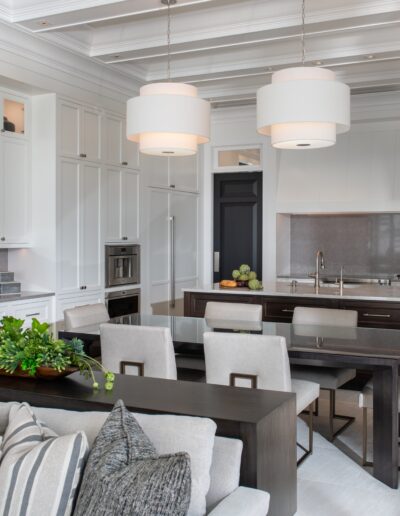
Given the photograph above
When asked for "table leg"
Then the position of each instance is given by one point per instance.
(386, 425)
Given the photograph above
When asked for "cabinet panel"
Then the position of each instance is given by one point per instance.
(195, 303)
(159, 237)
(184, 209)
(39, 310)
(69, 125)
(68, 226)
(130, 204)
(183, 173)
(155, 169)
(378, 314)
(91, 134)
(112, 140)
(280, 309)
(65, 302)
(16, 198)
(113, 193)
(90, 237)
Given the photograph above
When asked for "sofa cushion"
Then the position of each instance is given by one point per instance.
(39, 472)
(169, 434)
(125, 476)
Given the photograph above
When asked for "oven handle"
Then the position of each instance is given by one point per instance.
(172, 260)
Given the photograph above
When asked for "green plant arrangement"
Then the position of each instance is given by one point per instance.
(31, 349)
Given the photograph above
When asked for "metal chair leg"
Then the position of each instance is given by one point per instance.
(308, 452)
(365, 462)
(332, 415)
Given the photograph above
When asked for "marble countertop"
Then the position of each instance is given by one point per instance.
(371, 292)
(24, 296)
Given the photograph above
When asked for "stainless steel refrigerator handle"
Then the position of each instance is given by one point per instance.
(172, 261)
(216, 261)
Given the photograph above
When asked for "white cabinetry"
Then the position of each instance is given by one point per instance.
(122, 204)
(177, 173)
(173, 256)
(15, 192)
(79, 131)
(71, 301)
(41, 309)
(117, 149)
(79, 231)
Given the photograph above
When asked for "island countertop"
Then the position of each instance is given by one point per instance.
(24, 296)
(368, 292)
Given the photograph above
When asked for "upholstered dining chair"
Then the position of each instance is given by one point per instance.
(366, 401)
(233, 311)
(138, 350)
(328, 378)
(259, 362)
(85, 315)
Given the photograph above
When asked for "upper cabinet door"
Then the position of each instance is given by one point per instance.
(183, 173)
(130, 150)
(91, 258)
(155, 170)
(69, 126)
(90, 148)
(130, 205)
(113, 140)
(15, 192)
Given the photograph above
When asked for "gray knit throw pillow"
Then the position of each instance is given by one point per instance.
(125, 476)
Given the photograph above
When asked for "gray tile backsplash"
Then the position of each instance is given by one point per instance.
(362, 243)
(3, 260)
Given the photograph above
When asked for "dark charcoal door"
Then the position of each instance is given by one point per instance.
(237, 222)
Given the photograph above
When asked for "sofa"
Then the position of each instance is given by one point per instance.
(224, 497)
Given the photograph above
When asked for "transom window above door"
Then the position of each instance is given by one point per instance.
(237, 158)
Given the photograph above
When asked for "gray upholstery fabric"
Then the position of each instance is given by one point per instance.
(125, 475)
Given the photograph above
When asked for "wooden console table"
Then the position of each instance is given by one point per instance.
(264, 420)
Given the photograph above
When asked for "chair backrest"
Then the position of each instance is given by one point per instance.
(85, 315)
(325, 316)
(138, 350)
(233, 311)
(245, 360)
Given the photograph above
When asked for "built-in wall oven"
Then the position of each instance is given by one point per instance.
(122, 265)
(123, 302)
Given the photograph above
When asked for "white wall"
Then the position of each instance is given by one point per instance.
(360, 174)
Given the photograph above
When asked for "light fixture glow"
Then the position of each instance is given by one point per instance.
(303, 107)
(167, 118)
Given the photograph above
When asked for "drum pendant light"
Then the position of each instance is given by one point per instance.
(168, 118)
(303, 107)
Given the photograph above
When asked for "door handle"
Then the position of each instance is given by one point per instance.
(216, 261)
(172, 261)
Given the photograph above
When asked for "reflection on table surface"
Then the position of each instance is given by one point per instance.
(326, 339)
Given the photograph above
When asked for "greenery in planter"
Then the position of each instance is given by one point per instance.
(34, 347)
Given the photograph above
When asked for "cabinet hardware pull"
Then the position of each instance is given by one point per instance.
(3, 238)
(3, 130)
(124, 163)
(172, 186)
(291, 310)
(83, 287)
(124, 238)
(82, 155)
(32, 315)
(387, 316)
(172, 260)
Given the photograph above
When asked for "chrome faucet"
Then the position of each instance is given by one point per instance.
(319, 263)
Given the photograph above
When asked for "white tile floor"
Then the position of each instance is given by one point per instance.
(332, 484)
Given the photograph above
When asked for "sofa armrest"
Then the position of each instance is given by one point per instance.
(243, 501)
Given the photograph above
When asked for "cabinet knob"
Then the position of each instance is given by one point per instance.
(124, 163)
(124, 238)
(172, 186)
(3, 239)
(3, 130)
(83, 287)
(82, 155)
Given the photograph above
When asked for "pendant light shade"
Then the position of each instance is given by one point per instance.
(303, 108)
(168, 119)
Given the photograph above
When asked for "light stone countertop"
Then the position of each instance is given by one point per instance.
(370, 292)
(24, 296)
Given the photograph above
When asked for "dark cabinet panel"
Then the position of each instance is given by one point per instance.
(195, 302)
(280, 309)
(375, 314)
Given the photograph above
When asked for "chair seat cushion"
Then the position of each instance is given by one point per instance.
(306, 392)
(125, 475)
(326, 377)
(366, 397)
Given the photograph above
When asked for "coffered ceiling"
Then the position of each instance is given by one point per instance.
(228, 48)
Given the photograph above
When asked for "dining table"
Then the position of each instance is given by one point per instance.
(374, 350)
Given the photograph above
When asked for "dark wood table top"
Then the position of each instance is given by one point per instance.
(150, 395)
(370, 345)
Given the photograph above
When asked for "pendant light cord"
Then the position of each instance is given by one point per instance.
(303, 21)
(169, 42)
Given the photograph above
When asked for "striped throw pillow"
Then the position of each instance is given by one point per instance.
(39, 471)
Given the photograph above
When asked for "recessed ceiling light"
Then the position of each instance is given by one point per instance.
(370, 56)
(318, 63)
(43, 23)
(115, 57)
(270, 68)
